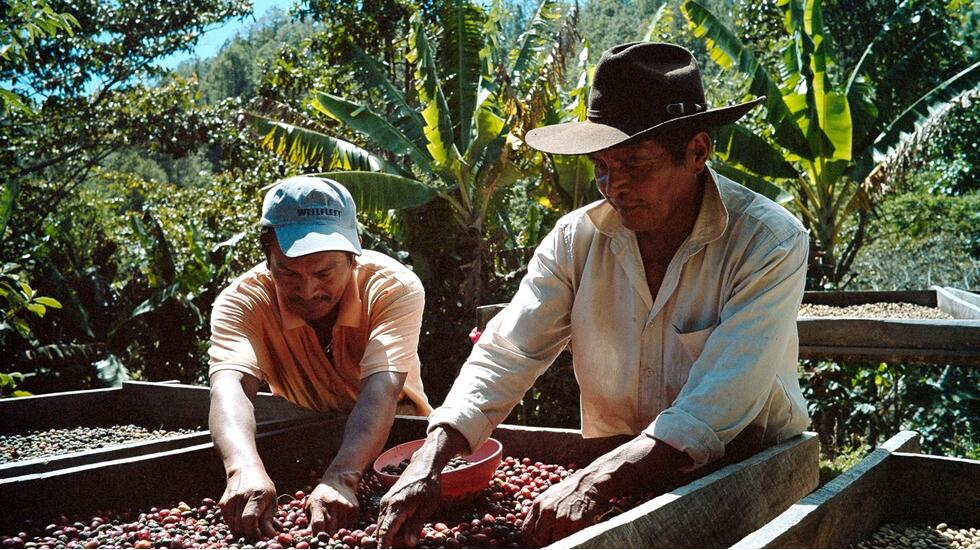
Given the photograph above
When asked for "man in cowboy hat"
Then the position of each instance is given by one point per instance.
(329, 326)
(679, 293)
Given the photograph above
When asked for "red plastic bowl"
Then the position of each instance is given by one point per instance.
(456, 484)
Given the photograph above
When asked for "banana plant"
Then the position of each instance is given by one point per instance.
(456, 136)
(820, 140)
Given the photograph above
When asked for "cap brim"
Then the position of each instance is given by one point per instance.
(582, 138)
(299, 240)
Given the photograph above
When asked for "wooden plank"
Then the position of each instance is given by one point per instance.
(716, 510)
(966, 358)
(188, 473)
(58, 410)
(847, 298)
(965, 295)
(890, 333)
(827, 517)
(959, 304)
(934, 489)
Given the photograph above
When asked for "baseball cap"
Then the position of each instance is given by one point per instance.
(311, 214)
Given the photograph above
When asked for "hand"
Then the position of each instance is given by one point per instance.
(564, 509)
(333, 504)
(409, 502)
(248, 505)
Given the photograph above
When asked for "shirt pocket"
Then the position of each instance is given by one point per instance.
(688, 345)
(681, 350)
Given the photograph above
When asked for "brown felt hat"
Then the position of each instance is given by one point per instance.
(640, 89)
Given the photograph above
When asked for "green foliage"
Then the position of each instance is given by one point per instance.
(922, 240)
(463, 147)
(859, 404)
(90, 92)
(826, 124)
(24, 23)
(19, 298)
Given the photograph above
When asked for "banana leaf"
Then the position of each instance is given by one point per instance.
(931, 104)
(753, 182)
(738, 145)
(435, 111)
(534, 42)
(302, 146)
(729, 52)
(461, 42)
(377, 191)
(372, 76)
(375, 127)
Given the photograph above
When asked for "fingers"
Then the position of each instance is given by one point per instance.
(250, 519)
(231, 514)
(268, 525)
(411, 529)
(330, 518)
(317, 522)
(390, 520)
(538, 525)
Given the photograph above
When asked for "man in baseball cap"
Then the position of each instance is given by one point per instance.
(329, 326)
(679, 293)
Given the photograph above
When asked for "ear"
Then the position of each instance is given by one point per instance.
(698, 150)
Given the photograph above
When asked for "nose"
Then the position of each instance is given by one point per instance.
(613, 183)
(308, 288)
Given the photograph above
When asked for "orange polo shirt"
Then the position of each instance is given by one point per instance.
(377, 330)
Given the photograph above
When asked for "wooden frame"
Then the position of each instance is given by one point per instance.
(892, 484)
(149, 404)
(764, 484)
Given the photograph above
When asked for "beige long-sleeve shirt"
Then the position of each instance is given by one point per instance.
(713, 353)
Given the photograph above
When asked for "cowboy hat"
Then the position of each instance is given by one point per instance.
(640, 89)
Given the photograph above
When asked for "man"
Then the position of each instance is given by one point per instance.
(329, 326)
(679, 293)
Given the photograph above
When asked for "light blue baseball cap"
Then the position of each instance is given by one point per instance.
(311, 214)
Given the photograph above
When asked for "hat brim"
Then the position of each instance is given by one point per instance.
(300, 239)
(582, 138)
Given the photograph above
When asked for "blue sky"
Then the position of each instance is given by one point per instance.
(211, 41)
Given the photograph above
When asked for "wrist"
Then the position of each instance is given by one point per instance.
(341, 475)
(238, 468)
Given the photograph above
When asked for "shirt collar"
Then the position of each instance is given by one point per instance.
(710, 225)
(350, 305)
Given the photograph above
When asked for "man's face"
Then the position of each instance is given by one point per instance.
(643, 183)
(311, 285)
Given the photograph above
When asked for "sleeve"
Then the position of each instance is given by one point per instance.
(730, 382)
(233, 338)
(396, 322)
(519, 344)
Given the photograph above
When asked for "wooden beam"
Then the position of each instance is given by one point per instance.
(716, 510)
(847, 509)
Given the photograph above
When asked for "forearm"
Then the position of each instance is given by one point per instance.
(232, 423)
(641, 463)
(364, 435)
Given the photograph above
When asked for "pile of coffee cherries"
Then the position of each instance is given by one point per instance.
(59, 441)
(492, 519)
(397, 469)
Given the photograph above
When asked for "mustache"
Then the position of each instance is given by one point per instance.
(296, 300)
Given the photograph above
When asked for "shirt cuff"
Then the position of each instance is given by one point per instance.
(467, 419)
(687, 434)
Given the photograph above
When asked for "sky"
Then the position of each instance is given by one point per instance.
(211, 41)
